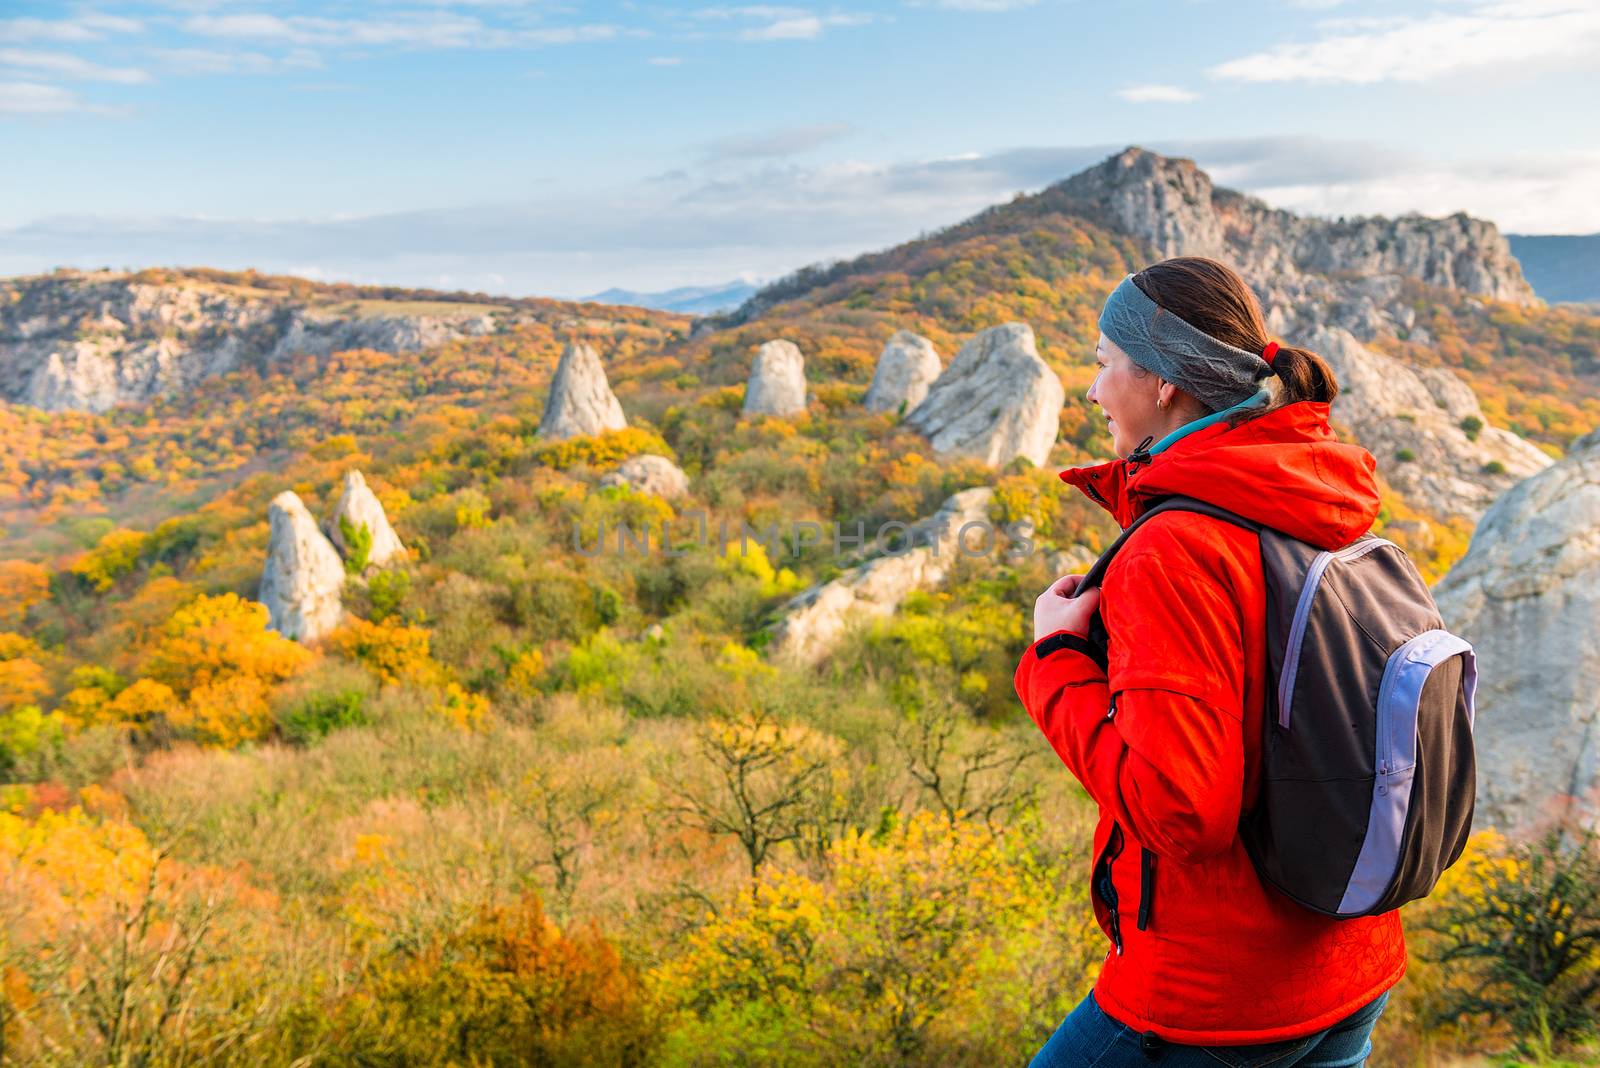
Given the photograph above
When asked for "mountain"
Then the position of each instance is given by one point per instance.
(1560, 267)
(690, 300)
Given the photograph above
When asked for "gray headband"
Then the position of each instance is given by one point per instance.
(1213, 372)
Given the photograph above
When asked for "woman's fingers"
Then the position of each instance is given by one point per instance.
(1066, 585)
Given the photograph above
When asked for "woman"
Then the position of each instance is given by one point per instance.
(1206, 963)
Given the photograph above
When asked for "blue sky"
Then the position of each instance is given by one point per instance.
(529, 147)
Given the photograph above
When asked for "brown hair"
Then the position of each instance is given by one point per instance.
(1211, 296)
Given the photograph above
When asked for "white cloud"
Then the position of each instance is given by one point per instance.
(89, 27)
(223, 61)
(788, 141)
(976, 5)
(435, 30)
(65, 65)
(801, 27)
(1157, 94)
(1536, 33)
(774, 216)
(31, 98)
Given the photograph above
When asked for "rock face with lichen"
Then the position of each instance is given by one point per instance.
(580, 401)
(997, 400)
(777, 384)
(304, 577)
(815, 621)
(1424, 426)
(906, 368)
(649, 474)
(1527, 596)
(359, 507)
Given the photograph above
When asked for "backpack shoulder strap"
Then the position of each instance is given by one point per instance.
(1170, 503)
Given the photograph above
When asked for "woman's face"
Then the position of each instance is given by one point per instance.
(1127, 395)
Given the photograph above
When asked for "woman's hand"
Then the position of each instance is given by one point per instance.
(1058, 609)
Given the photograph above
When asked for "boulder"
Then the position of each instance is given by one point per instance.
(1410, 419)
(997, 400)
(304, 577)
(906, 368)
(814, 621)
(645, 473)
(580, 401)
(1527, 596)
(777, 384)
(359, 506)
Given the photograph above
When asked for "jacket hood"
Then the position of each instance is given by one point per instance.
(1286, 469)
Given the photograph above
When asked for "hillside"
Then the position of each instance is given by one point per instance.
(356, 842)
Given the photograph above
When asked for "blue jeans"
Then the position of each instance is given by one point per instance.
(1088, 1038)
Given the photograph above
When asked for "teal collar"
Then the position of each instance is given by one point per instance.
(1261, 397)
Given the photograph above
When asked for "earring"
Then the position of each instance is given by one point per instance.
(1161, 403)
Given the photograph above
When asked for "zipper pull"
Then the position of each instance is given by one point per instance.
(1140, 455)
(1113, 711)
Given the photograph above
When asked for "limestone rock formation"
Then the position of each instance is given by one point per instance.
(580, 401)
(1527, 596)
(815, 620)
(318, 333)
(906, 368)
(359, 506)
(649, 474)
(997, 400)
(88, 341)
(1172, 204)
(304, 576)
(777, 384)
(1398, 411)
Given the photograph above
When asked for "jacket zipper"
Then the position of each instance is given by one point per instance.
(1102, 885)
(1101, 880)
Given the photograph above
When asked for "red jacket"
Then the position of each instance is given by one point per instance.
(1223, 958)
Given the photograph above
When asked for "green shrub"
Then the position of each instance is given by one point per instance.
(357, 545)
(385, 593)
(1520, 933)
(1494, 467)
(1471, 426)
(330, 697)
(1404, 455)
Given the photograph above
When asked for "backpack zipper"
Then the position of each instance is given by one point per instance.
(1302, 614)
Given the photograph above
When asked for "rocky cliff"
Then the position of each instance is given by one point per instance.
(1171, 204)
(1527, 596)
(79, 341)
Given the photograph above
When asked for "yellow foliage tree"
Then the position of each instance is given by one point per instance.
(116, 554)
(23, 584)
(393, 651)
(923, 939)
(218, 657)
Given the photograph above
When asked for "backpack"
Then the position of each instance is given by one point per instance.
(1368, 772)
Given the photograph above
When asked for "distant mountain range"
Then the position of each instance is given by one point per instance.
(688, 300)
(1560, 268)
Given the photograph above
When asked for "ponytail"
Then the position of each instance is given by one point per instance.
(1305, 376)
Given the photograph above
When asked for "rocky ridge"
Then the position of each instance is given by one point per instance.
(89, 341)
